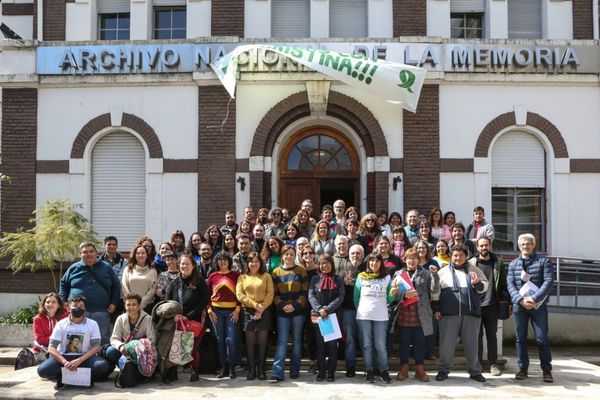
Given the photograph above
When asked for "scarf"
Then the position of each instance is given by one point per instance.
(470, 289)
(327, 282)
(368, 275)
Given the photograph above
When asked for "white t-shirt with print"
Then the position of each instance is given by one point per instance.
(71, 338)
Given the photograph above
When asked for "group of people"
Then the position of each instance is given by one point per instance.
(277, 276)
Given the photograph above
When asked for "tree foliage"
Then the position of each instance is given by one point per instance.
(58, 229)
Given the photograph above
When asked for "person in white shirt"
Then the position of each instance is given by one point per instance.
(74, 343)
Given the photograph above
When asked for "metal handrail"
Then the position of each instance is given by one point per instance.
(581, 267)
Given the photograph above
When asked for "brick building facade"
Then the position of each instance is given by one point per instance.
(198, 153)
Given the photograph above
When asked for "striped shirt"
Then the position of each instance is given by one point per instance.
(291, 287)
(222, 289)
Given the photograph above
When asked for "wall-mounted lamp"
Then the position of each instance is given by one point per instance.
(242, 182)
(395, 182)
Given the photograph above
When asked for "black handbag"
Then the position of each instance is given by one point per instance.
(127, 377)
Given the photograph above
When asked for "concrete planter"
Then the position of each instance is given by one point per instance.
(15, 335)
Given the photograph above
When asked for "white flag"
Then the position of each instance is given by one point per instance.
(394, 82)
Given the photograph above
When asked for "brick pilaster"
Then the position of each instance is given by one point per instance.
(227, 18)
(19, 141)
(410, 17)
(55, 16)
(422, 152)
(216, 155)
(583, 23)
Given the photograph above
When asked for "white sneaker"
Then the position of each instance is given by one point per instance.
(495, 370)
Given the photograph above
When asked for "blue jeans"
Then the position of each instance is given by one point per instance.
(374, 336)
(225, 331)
(284, 324)
(412, 335)
(51, 368)
(539, 322)
(352, 336)
(113, 354)
(103, 320)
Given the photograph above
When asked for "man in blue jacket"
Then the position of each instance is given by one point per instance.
(97, 282)
(531, 306)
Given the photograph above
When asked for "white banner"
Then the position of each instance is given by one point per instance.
(394, 82)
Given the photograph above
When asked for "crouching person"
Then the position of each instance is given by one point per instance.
(135, 323)
(74, 343)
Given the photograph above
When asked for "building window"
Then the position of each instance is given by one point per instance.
(524, 19)
(518, 189)
(517, 211)
(319, 151)
(466, 25)
(114, 26)
(348, 18)
(118, 187)
(169, 23)
(290, 18)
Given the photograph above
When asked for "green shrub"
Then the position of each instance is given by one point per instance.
(23, 316)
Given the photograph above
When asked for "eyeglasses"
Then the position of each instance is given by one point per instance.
(276, 213)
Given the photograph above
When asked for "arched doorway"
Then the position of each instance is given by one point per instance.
(321, 164)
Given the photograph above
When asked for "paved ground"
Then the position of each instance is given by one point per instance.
(574, 378)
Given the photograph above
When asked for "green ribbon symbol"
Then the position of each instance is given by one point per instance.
(408, 79)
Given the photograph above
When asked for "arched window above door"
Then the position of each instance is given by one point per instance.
(319, 152)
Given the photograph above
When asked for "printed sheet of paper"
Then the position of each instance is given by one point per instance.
(330, 328)
(529, 289)
(79, 377)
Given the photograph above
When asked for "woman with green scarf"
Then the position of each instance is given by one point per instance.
(372, 292)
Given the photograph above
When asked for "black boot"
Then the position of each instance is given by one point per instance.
(250, 355)
(232, 374)
(260, 364)
(224, 371)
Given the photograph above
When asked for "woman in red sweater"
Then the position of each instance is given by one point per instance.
(224, 311)
(50, 311)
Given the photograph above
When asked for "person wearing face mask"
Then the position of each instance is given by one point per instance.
(74, 343)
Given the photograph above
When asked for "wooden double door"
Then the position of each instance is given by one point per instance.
(320, 164)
